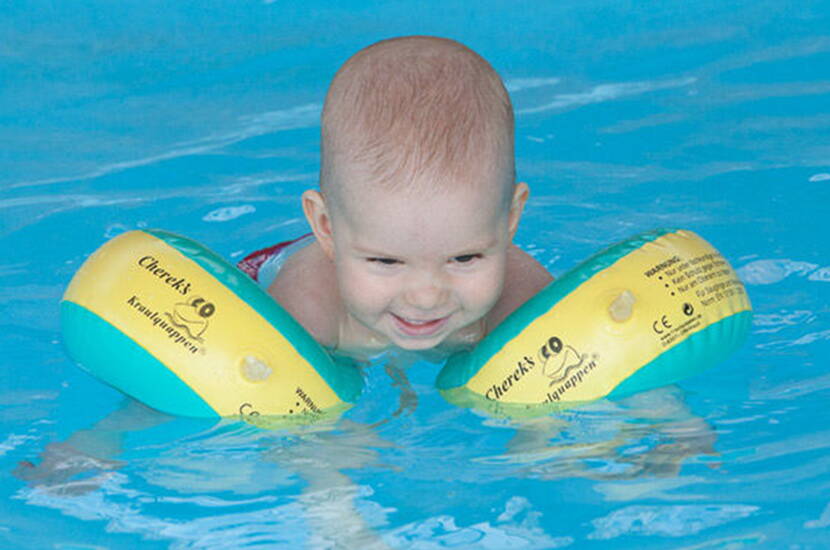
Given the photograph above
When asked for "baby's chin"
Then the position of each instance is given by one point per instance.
(361, 338)
(448, 343)
(419, 345)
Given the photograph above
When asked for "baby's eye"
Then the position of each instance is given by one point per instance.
(383, 261)
(466, 258)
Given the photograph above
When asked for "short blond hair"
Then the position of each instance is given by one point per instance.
(417, 108)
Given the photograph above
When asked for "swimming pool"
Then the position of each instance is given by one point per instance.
(202, 119)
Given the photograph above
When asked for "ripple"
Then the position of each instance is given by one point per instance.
(607, 92)
(30, 293)
(79, 201)
(516, 527)
(804, 340)
(32, 209)
(121, 510)
(823, 521)
(14, 441)
(248, 182)
(18, 268)
(774, 322)
(626, 126)
(822, 274)
(114, 230)
(791, 389)
(819, 177)
(751, 540)
(811, 337)
(301, 116)
(518, 84)
(668, 521)
(228, 213)
(766, 272)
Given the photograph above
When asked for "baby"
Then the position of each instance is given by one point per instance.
(417, 206)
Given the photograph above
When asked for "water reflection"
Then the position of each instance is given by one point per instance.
(144, 472)
(652, 434)
(231, 483)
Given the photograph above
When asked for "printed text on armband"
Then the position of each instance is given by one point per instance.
(308, 401)
(179, 284)
(661, 266)
(159, 322)
(523, 367)
(573, 381)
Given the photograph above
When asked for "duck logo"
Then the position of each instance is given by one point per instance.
(559, 360)
(192, 316)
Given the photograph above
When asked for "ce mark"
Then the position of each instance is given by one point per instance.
(661, 325)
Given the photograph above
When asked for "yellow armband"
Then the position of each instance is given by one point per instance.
(649, 311)
(174, 325)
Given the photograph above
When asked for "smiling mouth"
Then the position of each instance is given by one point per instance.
(415, 327)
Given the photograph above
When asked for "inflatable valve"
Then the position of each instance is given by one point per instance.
(622, 307)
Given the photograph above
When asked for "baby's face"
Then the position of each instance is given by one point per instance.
(416, 269)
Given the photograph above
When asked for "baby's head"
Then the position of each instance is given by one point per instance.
(416, 112)
(418, 201)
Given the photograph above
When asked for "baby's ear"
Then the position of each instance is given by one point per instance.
(317, 213)
(517, 205)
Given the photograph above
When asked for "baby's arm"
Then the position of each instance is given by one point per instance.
(306, 287)
(82, 462)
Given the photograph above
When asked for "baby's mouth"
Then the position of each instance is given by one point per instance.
(419, 327)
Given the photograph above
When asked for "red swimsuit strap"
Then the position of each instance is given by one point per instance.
(251, 263)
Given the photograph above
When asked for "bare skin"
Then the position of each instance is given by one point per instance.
(417, 208)
(307, 289)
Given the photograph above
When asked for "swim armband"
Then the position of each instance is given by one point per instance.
(174, 325)
(647, 312)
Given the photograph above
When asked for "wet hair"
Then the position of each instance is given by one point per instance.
(417, 109)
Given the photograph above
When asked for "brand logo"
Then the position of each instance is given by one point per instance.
(558, 360)
(192, 316)
(564, 366)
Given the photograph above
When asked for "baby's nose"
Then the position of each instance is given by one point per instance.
(426, 291)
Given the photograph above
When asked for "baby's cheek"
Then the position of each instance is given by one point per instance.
(483, 291)
(362, 291)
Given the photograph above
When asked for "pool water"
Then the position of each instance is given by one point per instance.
(202, 118)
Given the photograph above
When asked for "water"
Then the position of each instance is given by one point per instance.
(201, 118)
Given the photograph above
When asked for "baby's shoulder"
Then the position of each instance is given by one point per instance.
(524, 278)
(306, 286)
(524, 268)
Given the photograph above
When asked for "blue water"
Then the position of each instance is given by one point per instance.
(201, 118)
